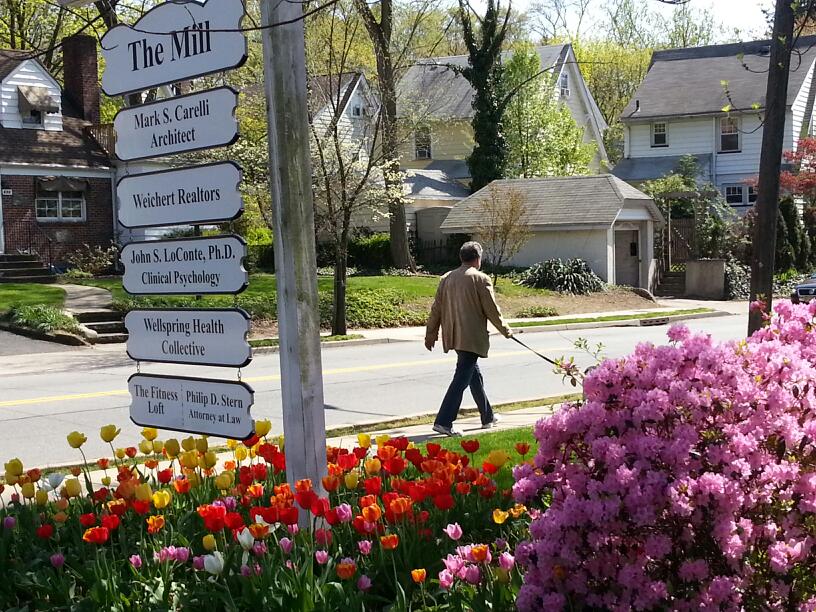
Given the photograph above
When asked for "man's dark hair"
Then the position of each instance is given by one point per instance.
(470, 252)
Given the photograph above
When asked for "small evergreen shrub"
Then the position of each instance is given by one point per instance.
(534, 312)
(44, 319)
(571, 276)
(371, 252)
(737, 280)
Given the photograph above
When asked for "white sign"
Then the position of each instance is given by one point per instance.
(198, 337)
(193, 405)
(177, 125)
(201, 194)
(173, 42)
(7, 192)
(185, 265)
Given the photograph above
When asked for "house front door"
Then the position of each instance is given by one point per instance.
(627, 258)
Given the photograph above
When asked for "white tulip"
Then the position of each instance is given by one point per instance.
(246, 539)
(214, 563)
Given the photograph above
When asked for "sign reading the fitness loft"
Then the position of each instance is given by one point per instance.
(173, 42)
(195, 405)
(185, 265)
(200, 194)
(177, 125)
(198, 337)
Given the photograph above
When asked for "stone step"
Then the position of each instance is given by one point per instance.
(101, 315)
(29, 279)
(111, 338)
(107, 327)
(17, 265)
(29, 271)
(18, 257)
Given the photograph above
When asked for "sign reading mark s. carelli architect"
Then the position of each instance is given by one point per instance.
(200, 337)
(173, 42)
(195, 405)
(200, 194)
(186, 265)
(193, 122)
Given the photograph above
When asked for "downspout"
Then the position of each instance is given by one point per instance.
(714, 151)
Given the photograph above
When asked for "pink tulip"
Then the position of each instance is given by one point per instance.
(445, 579)
(453, 531)
(136, 561)
(506, 561)
(322, 557)
(286, 545)
(364, 583)
(364, 546)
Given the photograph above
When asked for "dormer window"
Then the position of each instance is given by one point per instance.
(34, 103)
(564, 84)
(357, 111)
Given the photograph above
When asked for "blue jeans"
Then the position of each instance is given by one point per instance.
(467, 375)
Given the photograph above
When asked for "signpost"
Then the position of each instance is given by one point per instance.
(182, 124)
(195, 405)
(185, 265)
(200, 337)
(172, 42)
(200, 194)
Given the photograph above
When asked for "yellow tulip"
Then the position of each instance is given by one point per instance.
(108, 433)
(158, 446)
(146, 447)
(161, 499)
(172, 448)
(201, 444)
(76, 439)
(149, 433)
(263, 427)
(499, 516)
(120, 453)
(144, 492)
(27, 490)
(209, 542)
(241, 453)
(14, 467)
(253, 452)
(11, 479)
(232, 444)
(281, 442)
(188, 444)
(372, 466)
(364, 440)
(382, 439)
(194, 479)
(72, 487)
(41, 497)
(224, 481)
(351, 479)
(498, 457)
(189, 460)
(208, 460)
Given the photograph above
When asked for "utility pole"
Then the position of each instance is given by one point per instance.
(290, 179)
(770, 162)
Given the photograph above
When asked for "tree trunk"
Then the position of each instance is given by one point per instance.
(770, 163)
(338, 327)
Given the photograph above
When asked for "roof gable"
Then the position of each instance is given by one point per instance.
(687, 82)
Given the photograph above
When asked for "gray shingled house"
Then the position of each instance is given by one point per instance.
(601, 219)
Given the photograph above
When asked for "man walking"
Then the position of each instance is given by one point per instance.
(463, 305)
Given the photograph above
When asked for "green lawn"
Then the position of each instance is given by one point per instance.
(628, 317)
(29, 294)
(276, 341)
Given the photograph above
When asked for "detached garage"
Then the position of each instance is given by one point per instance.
(601, 219)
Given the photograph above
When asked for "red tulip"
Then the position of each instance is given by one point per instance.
(44, 532)
(87, 520)
(470, 446)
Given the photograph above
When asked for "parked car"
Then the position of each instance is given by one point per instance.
(804, 292)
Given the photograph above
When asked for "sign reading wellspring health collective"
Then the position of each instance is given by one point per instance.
(173, 42)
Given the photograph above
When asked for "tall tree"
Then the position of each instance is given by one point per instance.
(502, 225)
(484, 44)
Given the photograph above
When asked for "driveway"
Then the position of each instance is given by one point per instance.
(12, 344)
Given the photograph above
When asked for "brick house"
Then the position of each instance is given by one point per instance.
(57, 182)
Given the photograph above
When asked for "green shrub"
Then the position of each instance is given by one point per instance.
(535, 312)
(42, 318)
(260, 307)
(371, 252)
(573, 276)
(737, 281)
(93, 260)
(260, 257)
(367, 308)
(76, 274)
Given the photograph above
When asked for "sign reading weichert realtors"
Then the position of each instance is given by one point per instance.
(173, 42)
(201, 194)
(202, 337)
(194, 405)
(185, 265)
(177, 125)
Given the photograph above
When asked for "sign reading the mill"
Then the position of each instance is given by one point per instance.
(173, 42)
(177, 125)
(201, 194)
(185, 265)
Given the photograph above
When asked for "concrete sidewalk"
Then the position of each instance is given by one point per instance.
(80, 298)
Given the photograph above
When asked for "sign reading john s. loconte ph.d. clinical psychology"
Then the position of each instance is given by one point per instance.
(199, 194)
(194, 405)
(193, 122)
(198, 337)
(173, 42)
(185, 265)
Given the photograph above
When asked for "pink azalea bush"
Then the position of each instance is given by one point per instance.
(685, 480)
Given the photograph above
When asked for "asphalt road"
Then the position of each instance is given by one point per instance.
(12, 344)
(45, 396)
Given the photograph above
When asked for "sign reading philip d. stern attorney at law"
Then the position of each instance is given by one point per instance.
(177, 125)
(195, 405)
(172, 42)
(200, 194)
(184, 266)
(197, 337)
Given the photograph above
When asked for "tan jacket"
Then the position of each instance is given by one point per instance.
(463, 305)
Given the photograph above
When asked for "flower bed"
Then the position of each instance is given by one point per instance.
(391, 525)
(685, 481)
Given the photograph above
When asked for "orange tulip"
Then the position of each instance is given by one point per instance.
(301, 486)
(155, 524)
(258, 531)
(419, 575)
(331, 483)
(372, 513)
(479, 552)
(390, 541)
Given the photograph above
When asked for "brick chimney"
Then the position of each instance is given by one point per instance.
(81, 75)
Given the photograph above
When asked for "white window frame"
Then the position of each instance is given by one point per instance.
(743, 191)
(737, 125)
(665, 134)
(31, 125)
(563, 83)
(60, 198)
(748, 190)
(427, 151)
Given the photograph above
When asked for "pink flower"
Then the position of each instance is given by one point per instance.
(9, 522)
(453, 531)
(506, 561)
(445, 579)
(472, 574)
(364, 546)
(293, 529)
(364, 583)
(321, 556)
(344, 513)
(198, 562)
(286, 545)
(57, 560)
(259, 548)
(135, 561)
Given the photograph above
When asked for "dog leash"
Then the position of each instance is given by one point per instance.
(547, 359)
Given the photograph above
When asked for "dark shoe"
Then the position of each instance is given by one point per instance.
(447, 431)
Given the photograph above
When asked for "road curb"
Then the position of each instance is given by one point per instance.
(624, 323)
(57, 337)
(260, 350)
